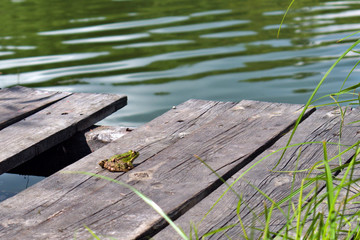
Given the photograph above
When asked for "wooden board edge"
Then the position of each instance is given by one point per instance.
(56, 95)
(102, 113)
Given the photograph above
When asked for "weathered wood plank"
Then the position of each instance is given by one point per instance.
(19, 102)
(54, 124)
(323, 125)
(166, 171)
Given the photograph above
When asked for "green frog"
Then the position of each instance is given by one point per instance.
(120, 162)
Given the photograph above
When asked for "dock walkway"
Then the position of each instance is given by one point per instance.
(229, 137)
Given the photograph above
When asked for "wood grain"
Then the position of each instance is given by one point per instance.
(323, 125)
(166, 171)
(19, 102)
(54, 124)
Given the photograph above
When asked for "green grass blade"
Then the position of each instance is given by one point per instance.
(350, 101)
(353, 87)
(193, 228)
(329, 178)
(267, 218)
(268, 198)
(321, 226)
(331, 198)
(284, 16)
(348, 36)
(347, 77)
(92, 233)
(229, 187)
(218, 176)
(240, 219)
(353, 122)
(298, 226)
(218, 230)
(309, 233)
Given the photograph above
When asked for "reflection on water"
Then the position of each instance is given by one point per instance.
(153, 44)
(229, 34)
(114, 26)
(108, 39)
(197, 27)
(11, 184)
(161, 53)
(30, 61)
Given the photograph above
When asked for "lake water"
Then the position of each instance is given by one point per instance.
(161, 53)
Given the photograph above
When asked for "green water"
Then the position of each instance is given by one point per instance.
(161, 53)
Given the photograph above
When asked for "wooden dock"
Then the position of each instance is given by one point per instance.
(228, 136)
(33, 121)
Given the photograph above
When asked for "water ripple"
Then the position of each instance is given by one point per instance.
(324, 8)
(178, 72)
(344, 14)
(87, 19)
(153, 44)
(199, 26)
(11, 47)
(213, 12)
(336, 28)
(31, 61)
(118, 25)
(117, 38)
(229, 34)
(331, 38)
(221, 64)
(6, 53)
(342, 3)
(44, 75)
(273, 13)
(275, 26)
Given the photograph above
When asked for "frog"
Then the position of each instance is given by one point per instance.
(120, 162)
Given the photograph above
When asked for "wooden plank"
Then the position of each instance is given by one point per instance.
(166, 171)
(54, 124)
(19, 102)
(323, 125)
